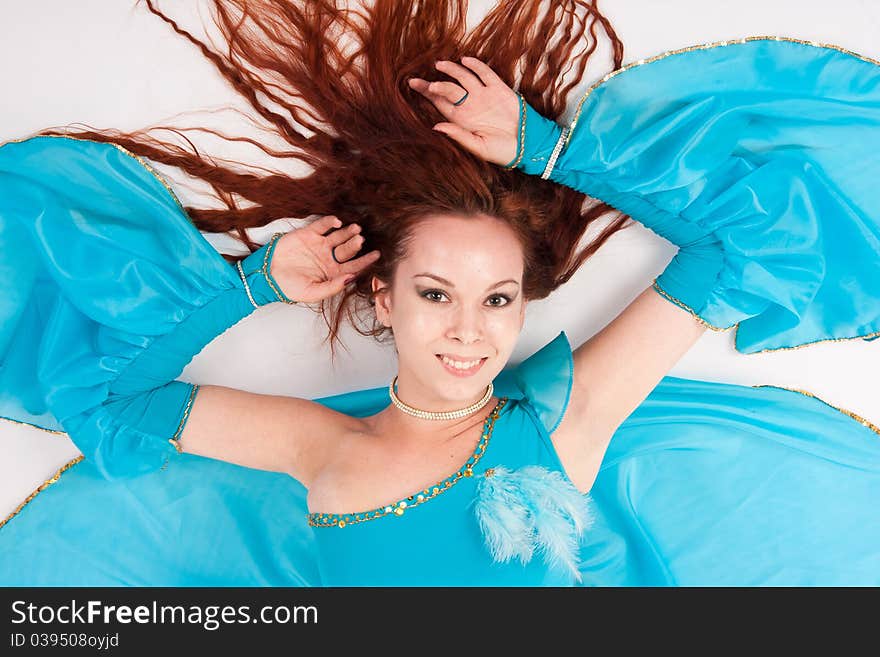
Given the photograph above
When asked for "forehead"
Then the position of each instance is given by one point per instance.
(464, 247)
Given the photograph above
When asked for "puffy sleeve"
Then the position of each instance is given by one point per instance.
(758, 158)
(109, 291)
(543, 381)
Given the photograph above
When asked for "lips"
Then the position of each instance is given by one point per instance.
(457, 372)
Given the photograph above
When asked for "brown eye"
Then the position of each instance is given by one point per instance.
(500, 296)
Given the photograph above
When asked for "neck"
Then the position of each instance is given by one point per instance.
(398, 422)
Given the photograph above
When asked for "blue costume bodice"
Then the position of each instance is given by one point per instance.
(756, 158)
(434, 537)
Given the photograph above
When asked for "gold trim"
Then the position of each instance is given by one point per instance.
(683, 305)
(140, 160)
(175, 440)
(735, 327)
(858, 418)
(34, 426)
(270, 252)
(318, 519)
(522, 133)
(704, 46)
(45, 484)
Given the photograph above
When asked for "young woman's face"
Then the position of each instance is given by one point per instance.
(475, 312)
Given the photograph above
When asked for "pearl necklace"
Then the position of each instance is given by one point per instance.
(438, 415)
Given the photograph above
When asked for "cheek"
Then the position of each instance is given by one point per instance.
(414, 317)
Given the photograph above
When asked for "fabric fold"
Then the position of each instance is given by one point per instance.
(735, 153)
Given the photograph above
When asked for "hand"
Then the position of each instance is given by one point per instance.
(486, 122)
(303, 264)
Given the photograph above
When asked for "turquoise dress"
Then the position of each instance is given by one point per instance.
(756, 157)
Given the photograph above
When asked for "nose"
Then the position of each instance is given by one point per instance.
(467, 326)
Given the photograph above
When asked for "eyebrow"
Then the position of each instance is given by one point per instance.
(450, 284)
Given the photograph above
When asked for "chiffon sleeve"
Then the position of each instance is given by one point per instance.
(758, 159)
(109, 292)
(544, 381)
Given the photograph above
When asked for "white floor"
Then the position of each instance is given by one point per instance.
(105, 63)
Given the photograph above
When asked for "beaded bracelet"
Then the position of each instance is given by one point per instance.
(271, 281)
(555, 154)
(264, 270)
(247, 288)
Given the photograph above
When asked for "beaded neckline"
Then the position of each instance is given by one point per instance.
(399, 507)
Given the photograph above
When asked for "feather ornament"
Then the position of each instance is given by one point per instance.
(532, 509)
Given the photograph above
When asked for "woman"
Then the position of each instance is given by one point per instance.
(461, 472)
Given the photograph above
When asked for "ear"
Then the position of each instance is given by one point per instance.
(383, 301)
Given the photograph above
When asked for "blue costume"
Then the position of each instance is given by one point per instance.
(756, 157)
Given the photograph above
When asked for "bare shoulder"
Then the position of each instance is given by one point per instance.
(268, 432)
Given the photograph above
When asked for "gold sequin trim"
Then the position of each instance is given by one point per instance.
(856, 417)
(140, 160)
(682, 304)
(703, 46)
(398, 508)
(735, 327)
(33, 426)
(46, 483)
(175, 440)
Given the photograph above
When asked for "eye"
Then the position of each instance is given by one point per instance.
(500, 296)
(427, 292)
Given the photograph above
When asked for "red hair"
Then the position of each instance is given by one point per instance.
(367, 138)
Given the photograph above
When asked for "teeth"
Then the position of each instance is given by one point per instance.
(459, 365)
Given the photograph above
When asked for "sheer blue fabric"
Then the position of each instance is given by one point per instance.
(756, 159)
(752, 157)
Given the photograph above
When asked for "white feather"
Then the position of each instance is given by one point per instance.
(533, 508)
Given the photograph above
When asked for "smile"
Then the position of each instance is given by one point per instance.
(467, 368)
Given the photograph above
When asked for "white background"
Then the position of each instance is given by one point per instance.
(110, 63)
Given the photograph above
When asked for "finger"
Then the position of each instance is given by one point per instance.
(348, 248)
(487, 75)
(342, 235)
(325, 223)
(355, 266)
(464, 137)
(448, 91)
(327, 289)
(440, 102)
(467, 79)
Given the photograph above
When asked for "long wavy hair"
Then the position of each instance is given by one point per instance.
(340, 76)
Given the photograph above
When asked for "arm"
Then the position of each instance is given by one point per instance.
(113, 291)
(613, 373)
(140, 423)
(267, 432)
(498, 125)
(618, 367)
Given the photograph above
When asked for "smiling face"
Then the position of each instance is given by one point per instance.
(458, 292)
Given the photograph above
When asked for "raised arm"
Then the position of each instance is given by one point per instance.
(274, 432)
(267, 432)
(618, 367)
(613, 373)
(113, 291)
